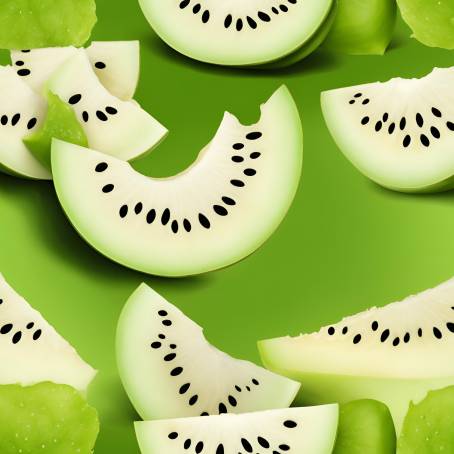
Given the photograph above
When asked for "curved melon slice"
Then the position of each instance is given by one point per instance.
(112, 126)
(393, 354)
(296, 430)
(116, 63)
(399, 133)
(237, 32)
(31, 351)
(216, 213)
(169, 370)
(22, 111)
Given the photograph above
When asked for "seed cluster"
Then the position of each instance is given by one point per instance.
(238, 23)
(101, 115)
(204, 219)
(15, 119)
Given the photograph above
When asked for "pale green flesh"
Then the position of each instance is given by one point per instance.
(362, 27)
(61, 123)
(46, 418)
(365, 426)
(27, 24)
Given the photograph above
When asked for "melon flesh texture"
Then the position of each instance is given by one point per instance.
(31, 351)
(169, 370)
(214, 214)
(399, 133)
(237, 32)
(296, 430)
(22, 112)
(394, 354)
(112, 126)
(116, 63)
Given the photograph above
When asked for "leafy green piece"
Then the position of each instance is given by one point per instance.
(365, 426)
(29, 24)
(46, 418)
(61, 123)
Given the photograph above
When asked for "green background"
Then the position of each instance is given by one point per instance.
(345, 245)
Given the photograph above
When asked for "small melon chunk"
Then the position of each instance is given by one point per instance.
(428, 426)
(365, 426)
(46, 418)
(26, 24)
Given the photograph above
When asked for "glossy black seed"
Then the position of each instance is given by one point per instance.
(275, 10)
(170, 357)
(420, 332)
(239, 25)
(151, 216)
(111, 110)
(366, 101)
(228, 201)
(5, 329)
(228, 21)
(124, 211)
(407, 338)
(450, 125)
(365, 121)
(204, 414)
(250, 172)
(238, 146)
(4, 120)
(255, 155)
(254, 135)
(220, 449)
(252, 23)
(220, 210)
(173, 436)
(138, 208)
(199, 447)
(450, 326)
(37, 334)
(345, 330)
(17, 337)
(293, 2)
(358, 95)
(29, 325)
(15, 119)
(188, 442)
(384, 335)
(407, 141)
(237, 159)
(437, 333)
(175, 226)
(85, 116)
(263, 16)
(187, 225)
(290, 424)
(374, 326)
(32, 123)
(419, 120)
(247, 388)
(222, 408)
(403, 123)
(255, 382)
(263, 443)
(283, 8)
(204, 222)
(391, 128)
(246, 445)
(435, 132)
(177, 371)
(385, 117)
(100, 65)
(396, 342)
(238, 388)
(436, 112)
(161, 336)
(193, 400)
(352, 101)
(20, 63)
(378, 126)
(75, 99)
(331, 331)
(173, 346)
(24, 72)
(184, 4)
(233, 402)
(425, 140)
(167, 323)
(357, 339)
(156, 345)
(184, 389)
(165, 218)
(163, 313)
(101, 167)
(237, 183)
(101, 115)
(205, 16)
(284, 447)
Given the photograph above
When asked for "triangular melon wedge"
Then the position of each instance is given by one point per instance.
(214, 214)
(296, 430)
(31, 351)
(169, 370)
(394, 354)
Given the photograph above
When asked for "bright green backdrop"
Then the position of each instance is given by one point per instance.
(345, 245)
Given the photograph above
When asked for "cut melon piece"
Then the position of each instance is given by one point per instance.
(22, 111)
(237, 32)
(394, 354)
(115, 127)
(399, 133)
(31, 351)
(116, 63)
(216, 213)
(169, 370)
(296, 430)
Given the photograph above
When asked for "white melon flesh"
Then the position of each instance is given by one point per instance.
(394, 354)
(398, 133)
(169, 370)
(22, 111)
(236, 32)
(214, 214)
(309, 430)
(31, 351)
(116, 63)
(112, 126)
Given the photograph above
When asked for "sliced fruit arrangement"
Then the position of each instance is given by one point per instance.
(394, 354)
(46, 418)
(116, 63)
(26, 24)
(298, 430)
(112, 126)
(32, 351)
(240, 33)
(399, 133)
(169, 370)
(219, 211)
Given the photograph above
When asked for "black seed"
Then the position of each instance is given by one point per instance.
(177, 371)
(184, 4)
(175, 226)
(170, 357)
(365, 120)
(204, 414)
(237, 159)
(284, 447)
(233, 402)
(24, 72)
(228, 201)
(420, 332)
(156, 345)
(374, 326)
(450, 125)
(17, 337)
(101, 167)
(20, 63)
(450, 326)
(220, 210)
(184, 389)
(250, 172)
(436, 112)
(228, 21)
(29, 325)
(187, 443)
(366, 101)
(197, 8)
(1, 301)
(111, 110)
(151, 216)
(247, 388)
(204, 222)
(407, 338)
(199, 447)
(238, 146)
(385, 117)
(238, 388)
(407, 141)
(193, 400)
(101, 115)
(205, 16)
(37, 334)
(435, 132)
(283, 8)
(237, 183)
(4, 120)
(15, 119)
(437, 333)
(378, 126)
(391, 128)
(331, 331)
(419, 120)
(263, 16)
(222, 408)
(32, 123)
(275, 10)
(173, 436)
(384, 335)
(254, 135)
(345, 330)
(352, 101)
(75, 99)
(255, 382)
(255, 155)
(173, 346)
(396, 342)
(403, 123)
(425, 140)
(165, 218)
(246, 445)
(138, 208)
(252, 23)
(5, 329)
(85, 116)
(239, 25)
(167, 323)
(220, 449)
(290, 424)
(263, 443)
(357, 339)
(100, 65)
(187, 225)
(161, 336)
(163, 313)
(124, 211)
(358, 95)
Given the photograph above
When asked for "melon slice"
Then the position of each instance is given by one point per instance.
(22, 111)
(394, 354)
(299, 430)
(116, 63)
(31, 351)
(237, 32)
(112, 126)
(216, 213)
(399, 133)
(169, 370)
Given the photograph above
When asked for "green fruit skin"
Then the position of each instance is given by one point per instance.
(46, 418)
(30, 24)
(362, 27)
(61, 123)
(432, 21)
(428, 426)
(365, 426)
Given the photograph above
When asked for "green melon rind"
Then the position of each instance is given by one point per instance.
(26, 24)
(61, 123)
